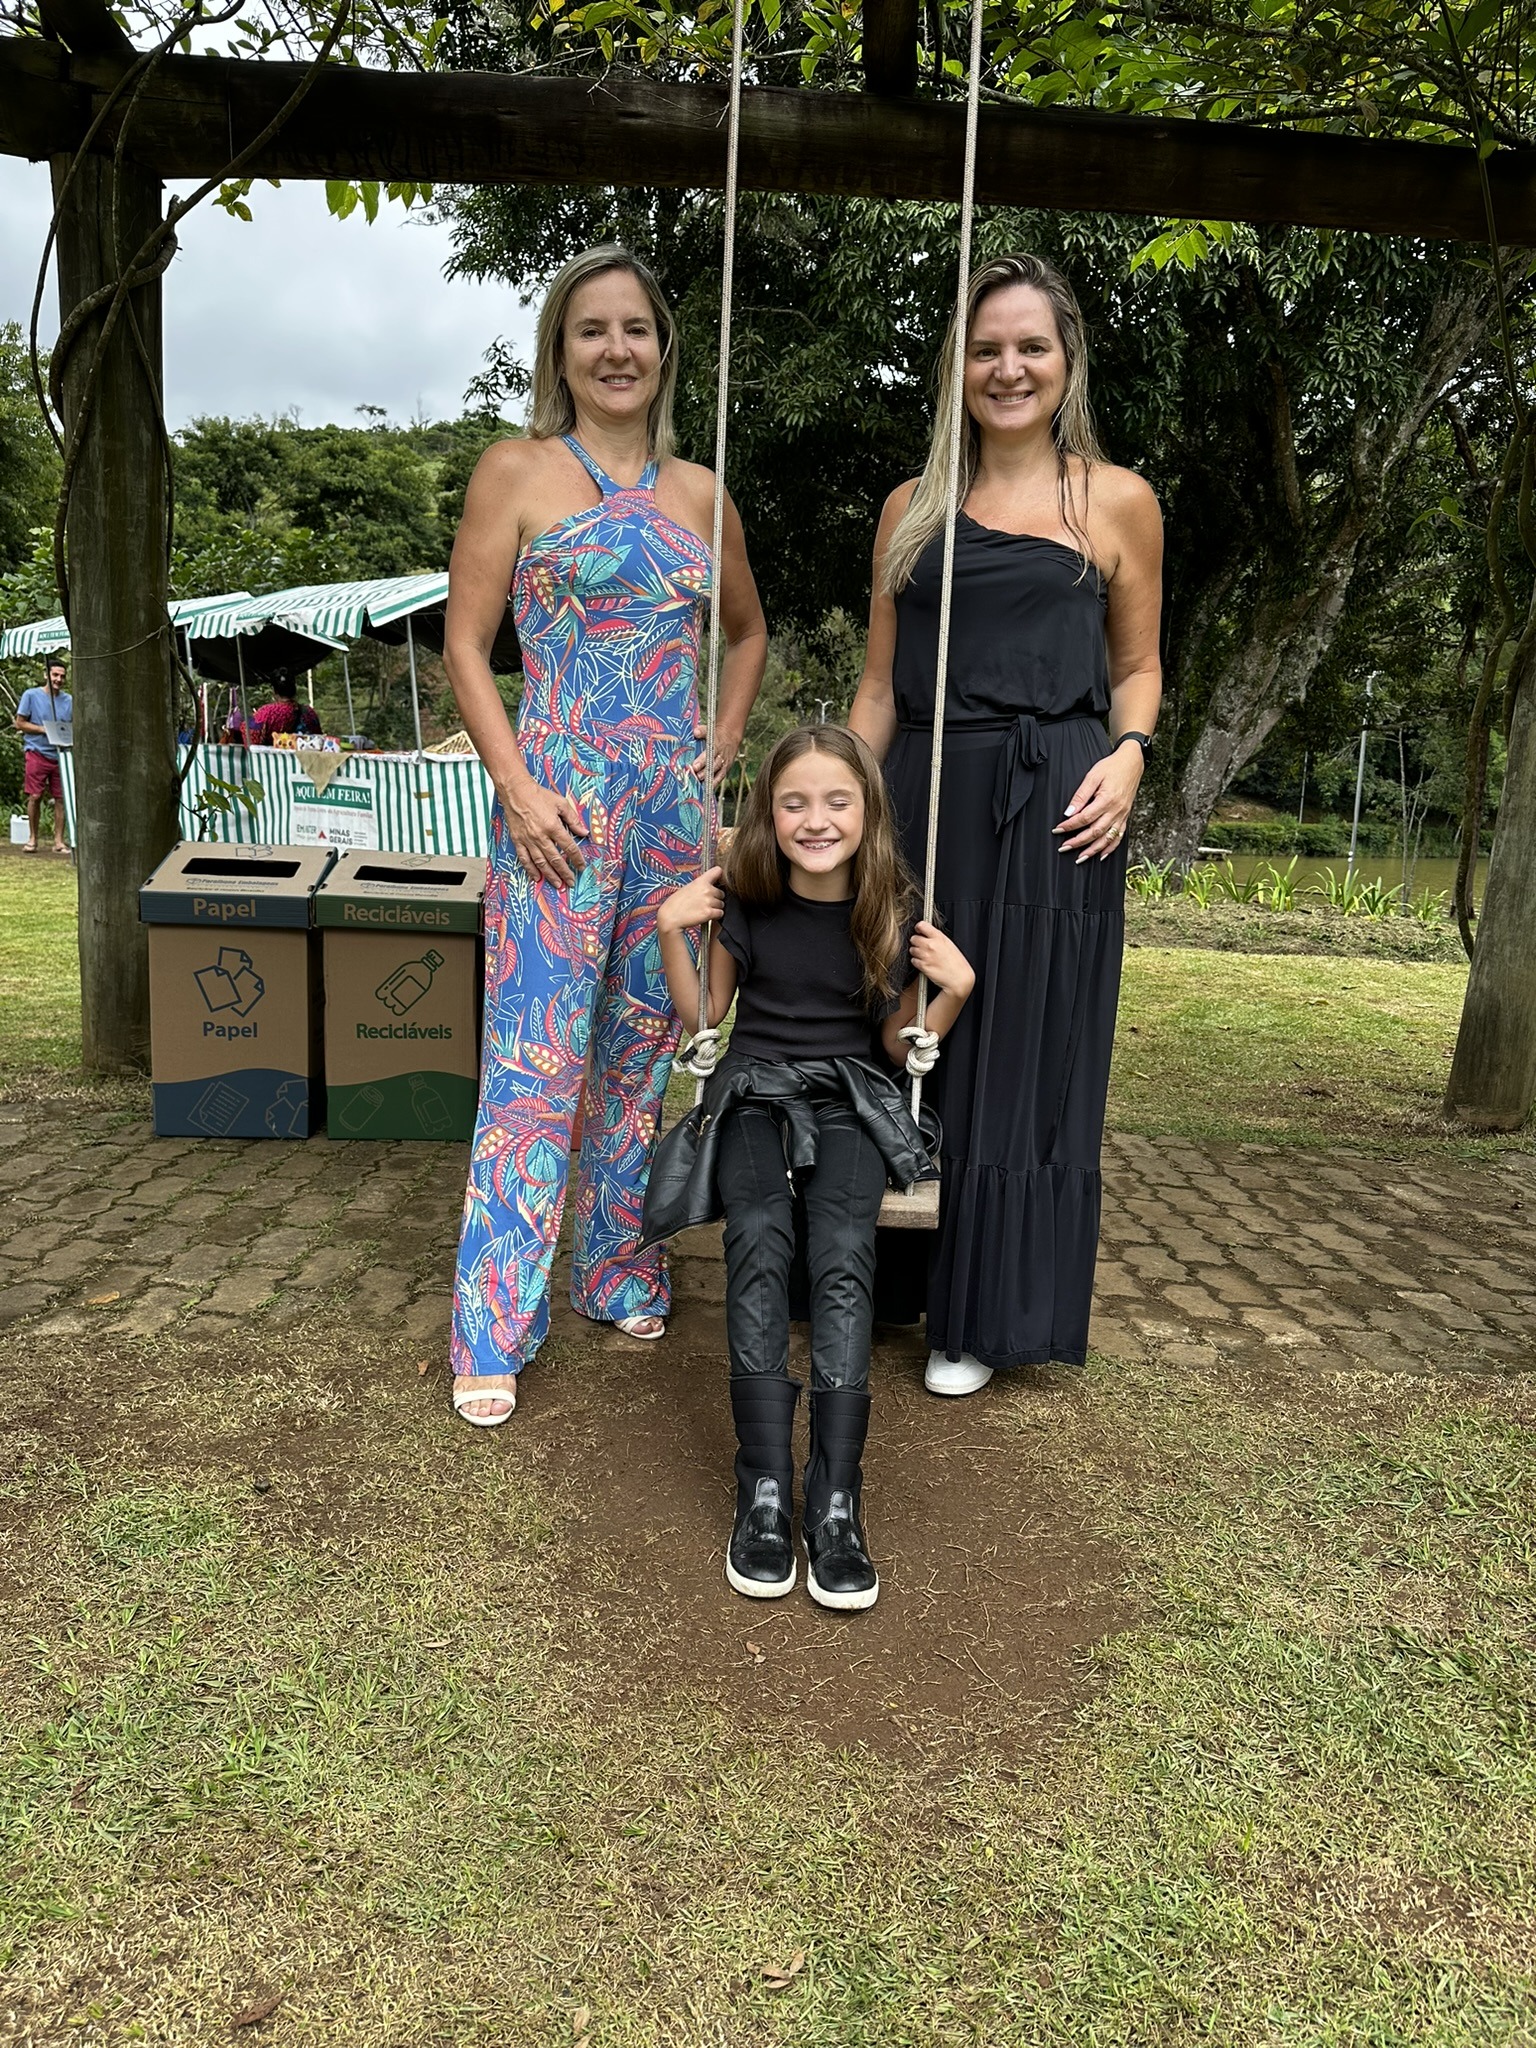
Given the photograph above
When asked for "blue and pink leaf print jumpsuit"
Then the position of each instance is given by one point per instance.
(608, 607)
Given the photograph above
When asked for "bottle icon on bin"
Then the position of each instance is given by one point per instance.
(403, 989)
(431, 1110)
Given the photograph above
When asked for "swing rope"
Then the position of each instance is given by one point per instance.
(703, 1051)
(924, 1055)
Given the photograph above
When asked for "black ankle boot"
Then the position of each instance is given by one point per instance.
(841, 1574)
(761, 1558)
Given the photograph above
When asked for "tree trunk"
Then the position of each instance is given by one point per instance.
(124, 757)
(1287, 638)
(1493, 1076)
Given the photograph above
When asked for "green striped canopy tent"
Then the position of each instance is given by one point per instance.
(384, 608)
(47, 636)
(393, 609)
(43, 636)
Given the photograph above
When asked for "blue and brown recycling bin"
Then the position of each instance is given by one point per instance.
(234, 991)
(402, 994)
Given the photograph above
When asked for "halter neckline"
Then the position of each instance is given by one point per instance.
(599, 476)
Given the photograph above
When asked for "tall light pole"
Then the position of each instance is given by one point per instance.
(1354, 830)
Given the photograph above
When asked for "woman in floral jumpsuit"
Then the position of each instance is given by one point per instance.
(597, 816)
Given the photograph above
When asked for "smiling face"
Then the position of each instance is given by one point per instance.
(610, 349)
(1015, 365)
(818, 814)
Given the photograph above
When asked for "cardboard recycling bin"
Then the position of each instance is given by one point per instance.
(402, 993)
(234, 991)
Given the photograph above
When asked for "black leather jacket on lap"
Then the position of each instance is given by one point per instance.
(682, 1188)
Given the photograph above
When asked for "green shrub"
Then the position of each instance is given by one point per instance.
(10, 769)
(1280, 886)
(1249, 890)
(1202, 885)
(1151, 880)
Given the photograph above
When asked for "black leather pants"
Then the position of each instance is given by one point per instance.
(841, 1196)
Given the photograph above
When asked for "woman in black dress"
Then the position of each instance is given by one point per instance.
(1054, 634)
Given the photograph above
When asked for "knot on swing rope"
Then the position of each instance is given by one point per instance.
(924, 1055)
(702, 1055)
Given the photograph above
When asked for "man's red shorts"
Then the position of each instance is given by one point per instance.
(40, 776)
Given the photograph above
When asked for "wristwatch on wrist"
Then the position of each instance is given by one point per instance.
(1142, 739)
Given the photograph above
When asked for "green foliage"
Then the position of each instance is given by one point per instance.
(27, 588)
(1375, 899)
(29, 464)
(1151, 880)
(262, 504)
(1202, 885)
(220, 800)
(1249, 890)
(1341, 891)
(1317, 839)
(1279, 886)
(12, 767)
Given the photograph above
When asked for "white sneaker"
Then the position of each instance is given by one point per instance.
(962, 1377)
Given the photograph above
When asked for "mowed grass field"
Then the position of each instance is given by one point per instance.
(323, 1721)
(1303, 1048)
(39, 964)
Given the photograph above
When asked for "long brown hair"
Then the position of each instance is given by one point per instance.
(884, 894)
(1072, 429)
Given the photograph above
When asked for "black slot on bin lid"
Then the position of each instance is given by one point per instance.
(236, 870)
(410, 878)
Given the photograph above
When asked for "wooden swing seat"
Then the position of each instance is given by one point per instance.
(913, 1208)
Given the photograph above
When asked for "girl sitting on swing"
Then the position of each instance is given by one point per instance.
(812, 937)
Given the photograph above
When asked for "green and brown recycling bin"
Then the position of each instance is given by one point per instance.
(402, 994)
(234, 991)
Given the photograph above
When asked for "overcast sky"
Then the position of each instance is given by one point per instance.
(294, 312)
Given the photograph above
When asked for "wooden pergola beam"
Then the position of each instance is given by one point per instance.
(489, 128)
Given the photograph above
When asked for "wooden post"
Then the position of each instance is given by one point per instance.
(125, 758)
(1493, 1076)
(890, 47)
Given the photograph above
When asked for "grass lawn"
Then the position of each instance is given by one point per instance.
(1287, 1048)
(39, 966)
(351, 1737)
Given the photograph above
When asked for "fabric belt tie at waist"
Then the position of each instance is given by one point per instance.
(1022, 752)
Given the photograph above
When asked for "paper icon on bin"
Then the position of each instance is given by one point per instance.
(231, 983)
(218, 1108)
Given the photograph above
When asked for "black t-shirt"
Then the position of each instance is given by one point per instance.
(800, 991)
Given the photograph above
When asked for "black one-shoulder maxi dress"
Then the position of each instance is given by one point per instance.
(1022, 1079)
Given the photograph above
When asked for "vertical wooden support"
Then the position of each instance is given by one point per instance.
(1493, 1076)
(890, 47)
(125, 760)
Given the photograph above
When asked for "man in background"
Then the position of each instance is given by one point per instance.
(50, 704)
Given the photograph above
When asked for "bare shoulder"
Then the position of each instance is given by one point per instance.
(690, 484)
(1124, 494)
(898, 501)
(512, 460)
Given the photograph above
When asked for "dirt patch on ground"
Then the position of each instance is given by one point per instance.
(993, 1586)
(993, 1589)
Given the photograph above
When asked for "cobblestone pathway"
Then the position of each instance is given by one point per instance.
(1209, 1250)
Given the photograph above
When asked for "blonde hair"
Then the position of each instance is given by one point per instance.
(1072, 428)
(551, 409)
(884, 894)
